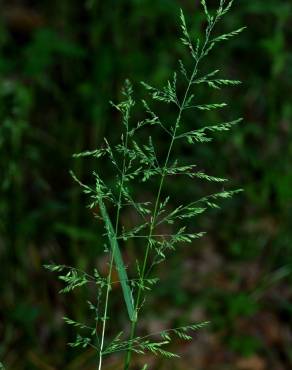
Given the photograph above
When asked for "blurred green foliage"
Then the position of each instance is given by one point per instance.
(60, 64)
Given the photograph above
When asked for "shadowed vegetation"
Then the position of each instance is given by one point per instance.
(61, 63)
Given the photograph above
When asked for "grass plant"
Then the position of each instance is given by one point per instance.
(137, 161)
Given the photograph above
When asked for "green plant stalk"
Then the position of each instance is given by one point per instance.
(153, 221)
(134, 323)
(115, 256)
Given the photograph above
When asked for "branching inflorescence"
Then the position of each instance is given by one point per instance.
(135, 161)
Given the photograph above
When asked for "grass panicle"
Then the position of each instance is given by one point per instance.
(137, 161)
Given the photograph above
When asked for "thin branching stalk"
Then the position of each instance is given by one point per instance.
(111, 265)
(158, 197)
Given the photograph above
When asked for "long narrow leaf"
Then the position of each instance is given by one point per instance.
(119, 263)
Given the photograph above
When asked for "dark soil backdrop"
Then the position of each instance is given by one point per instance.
(60, 64)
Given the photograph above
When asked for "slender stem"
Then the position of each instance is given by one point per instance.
(155, 212)
(153, 221)
(109, 277)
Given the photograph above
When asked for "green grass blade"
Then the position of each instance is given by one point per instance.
(120, 266)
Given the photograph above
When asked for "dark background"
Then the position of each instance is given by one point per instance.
(60, 64)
